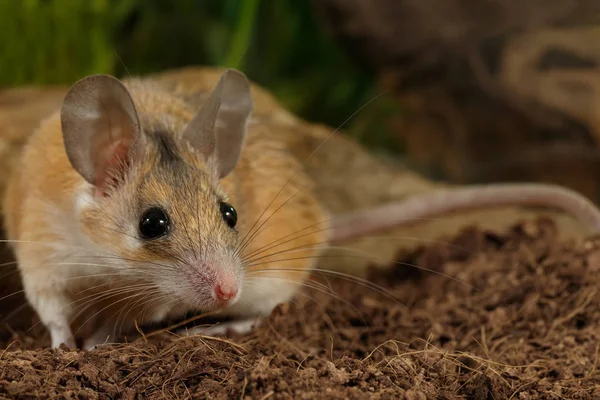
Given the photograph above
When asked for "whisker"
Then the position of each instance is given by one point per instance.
(302, 248)
(115, 257)
(98, 297)
(105, 308)
(17, 310)
(141, 315)
(370, 285)
(249, 266)
(140, 289)
(332, 293)
(406, 238)
(6, 264)
(364, 282)
(368, 256)
(292, 234)
(12, 294)
(154, 297)
(253, 236)
(9, 273)
(74, 278)
(53, 244)
(120, 271)
(312, 155)
(122, 63)
(93, 298)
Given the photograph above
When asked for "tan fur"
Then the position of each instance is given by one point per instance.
(44, 188)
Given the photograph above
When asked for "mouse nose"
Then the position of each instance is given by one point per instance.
(225, 291)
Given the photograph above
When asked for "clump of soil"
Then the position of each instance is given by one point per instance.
(482, 316)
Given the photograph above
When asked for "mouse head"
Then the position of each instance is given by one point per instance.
(152, 195)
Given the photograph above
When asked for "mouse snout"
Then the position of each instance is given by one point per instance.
(226, 290)
(214, 283)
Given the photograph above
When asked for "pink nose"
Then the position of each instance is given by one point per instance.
(225, 292)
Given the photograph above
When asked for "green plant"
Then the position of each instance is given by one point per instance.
(45, 42)
(278, 44)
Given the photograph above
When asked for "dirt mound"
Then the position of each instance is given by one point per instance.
(517, 318)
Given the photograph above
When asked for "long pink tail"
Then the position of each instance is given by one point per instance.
(361, 223)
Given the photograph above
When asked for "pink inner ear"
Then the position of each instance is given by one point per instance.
(115, 161)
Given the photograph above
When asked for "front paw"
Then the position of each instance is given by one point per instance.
(240, 327)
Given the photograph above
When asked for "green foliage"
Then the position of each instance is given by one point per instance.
(45, 42)
(278, 44)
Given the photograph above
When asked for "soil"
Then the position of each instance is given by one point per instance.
(483, 315)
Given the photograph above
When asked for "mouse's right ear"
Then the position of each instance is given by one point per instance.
(99, 124)
(219, 129)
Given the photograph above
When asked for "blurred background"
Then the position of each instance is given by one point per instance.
(278, 44)
(472, 91)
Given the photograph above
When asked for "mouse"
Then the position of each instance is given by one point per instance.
(129, 205)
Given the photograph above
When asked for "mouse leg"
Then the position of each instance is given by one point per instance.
(52, 308)
(46, 296)
(57, 324)
(240, 327)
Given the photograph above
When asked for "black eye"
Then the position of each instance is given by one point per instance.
(154, 223)
(229, 214)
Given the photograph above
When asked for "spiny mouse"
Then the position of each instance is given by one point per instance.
(128, 205)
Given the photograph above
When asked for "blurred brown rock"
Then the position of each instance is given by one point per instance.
(493, 90)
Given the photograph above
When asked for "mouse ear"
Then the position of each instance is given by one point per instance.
(99, 124)
(219, 128)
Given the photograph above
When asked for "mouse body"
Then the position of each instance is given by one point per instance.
(125, 208)
(131, 205)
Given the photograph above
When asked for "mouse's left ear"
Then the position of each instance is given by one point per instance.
(219, 128)
(99, 124)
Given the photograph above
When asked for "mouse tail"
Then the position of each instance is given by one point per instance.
(364, 222)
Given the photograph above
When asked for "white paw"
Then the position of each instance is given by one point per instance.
(60, 335)
(68, 342)
(240, 327)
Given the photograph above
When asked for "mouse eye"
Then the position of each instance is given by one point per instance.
(154, 223)
(229, 214)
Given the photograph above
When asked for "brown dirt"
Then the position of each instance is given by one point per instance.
(518, 319)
